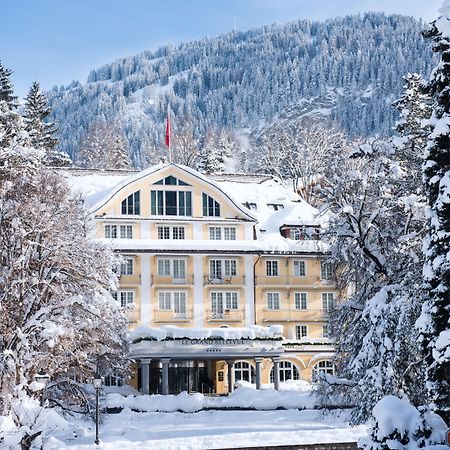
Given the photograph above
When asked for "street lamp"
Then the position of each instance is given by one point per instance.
(42, 378)
(97, 382)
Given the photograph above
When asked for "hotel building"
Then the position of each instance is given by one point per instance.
(223, 277)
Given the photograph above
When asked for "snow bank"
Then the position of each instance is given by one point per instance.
(399, 425)
(174, 332)
(293, 395)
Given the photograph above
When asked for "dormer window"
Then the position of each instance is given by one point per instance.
(131, 205)
(211, 208)
(301, 232)
(275, 206)
(250, 206)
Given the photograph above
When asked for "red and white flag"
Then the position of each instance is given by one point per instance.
(168, 129)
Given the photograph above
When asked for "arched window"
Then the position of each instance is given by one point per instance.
(131, 205)
(324, 367)
(113, 380)
(244, 371)
(211, 208)
(287, 370)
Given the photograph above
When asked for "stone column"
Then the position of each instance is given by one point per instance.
(230, 376)
(276, 373)
(165, 375)
(145, 375)
(258, 362)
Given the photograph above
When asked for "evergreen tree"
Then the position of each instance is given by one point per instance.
(40, 132)
(10, 122)
(434, 323)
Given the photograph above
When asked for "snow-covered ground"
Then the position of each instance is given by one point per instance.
(207, 430)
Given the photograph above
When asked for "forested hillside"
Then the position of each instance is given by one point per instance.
(347, 69)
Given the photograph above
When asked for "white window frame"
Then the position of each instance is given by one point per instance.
(168, 267)
(300, 301)
(223, 301)
(327, 301)
(326, 270)
(301, 331)
(273, 301)
(326, 330)
(272, 268)
(126, 297)
(127, 267)
(286, 367)
(168, 232)
(299, 268)
(175, 301)
(118, 231)
(215, 233)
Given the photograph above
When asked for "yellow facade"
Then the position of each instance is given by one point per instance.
(207, 271)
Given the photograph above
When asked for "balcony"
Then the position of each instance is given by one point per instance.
(227, 281)
(169, 316)
(294, 315)
(158, 280)
(292, 281)
(227, 315)
(130, 280)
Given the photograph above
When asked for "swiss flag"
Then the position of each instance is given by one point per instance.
(168, 129)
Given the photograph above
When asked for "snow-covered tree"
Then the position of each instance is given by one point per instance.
(9, 117)
(374, 234)
(217, 151)
(55, 281)
(434, 322)
(104, 147)
(185, 145)
(42, 133)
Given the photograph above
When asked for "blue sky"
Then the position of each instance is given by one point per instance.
(57, 41)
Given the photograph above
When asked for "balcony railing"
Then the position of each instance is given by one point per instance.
(170, 316)
(290, 280)
(227, 315)
(295, 315)
(159, 280)
(130, 280)
(233, 281)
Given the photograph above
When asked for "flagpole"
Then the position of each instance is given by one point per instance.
(168, 133)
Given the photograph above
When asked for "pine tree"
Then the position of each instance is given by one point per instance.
(434, 322)
(9, 118)
(40, 132)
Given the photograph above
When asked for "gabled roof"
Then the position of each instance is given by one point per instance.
(96, 201)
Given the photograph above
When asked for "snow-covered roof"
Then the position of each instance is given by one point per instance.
(260, 197)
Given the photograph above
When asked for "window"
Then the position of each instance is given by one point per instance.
(126, 267)
(250, 206)
(167, 232)
(215, 233)
(163, 232)
(113, 379)
(178, 233)
(222, 302)
(275, 206)
(171, 203)
(299, 268)
(131, 205)
(287, 371)
(171, 181)
(301, 331)
(229, 233)
(303, 232)
(226, 233)
(244, 371)
(210, 207)
(326, 331)
(326, 271)
(176, 268)
(273, 300)
(300, 300)
(126, 298)
(323, 367)
(295, 234)
(222, 268)
(272, 268)
(122, 231)
(175, 300)
(165, 300)
(111, 231)
(327, 301)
